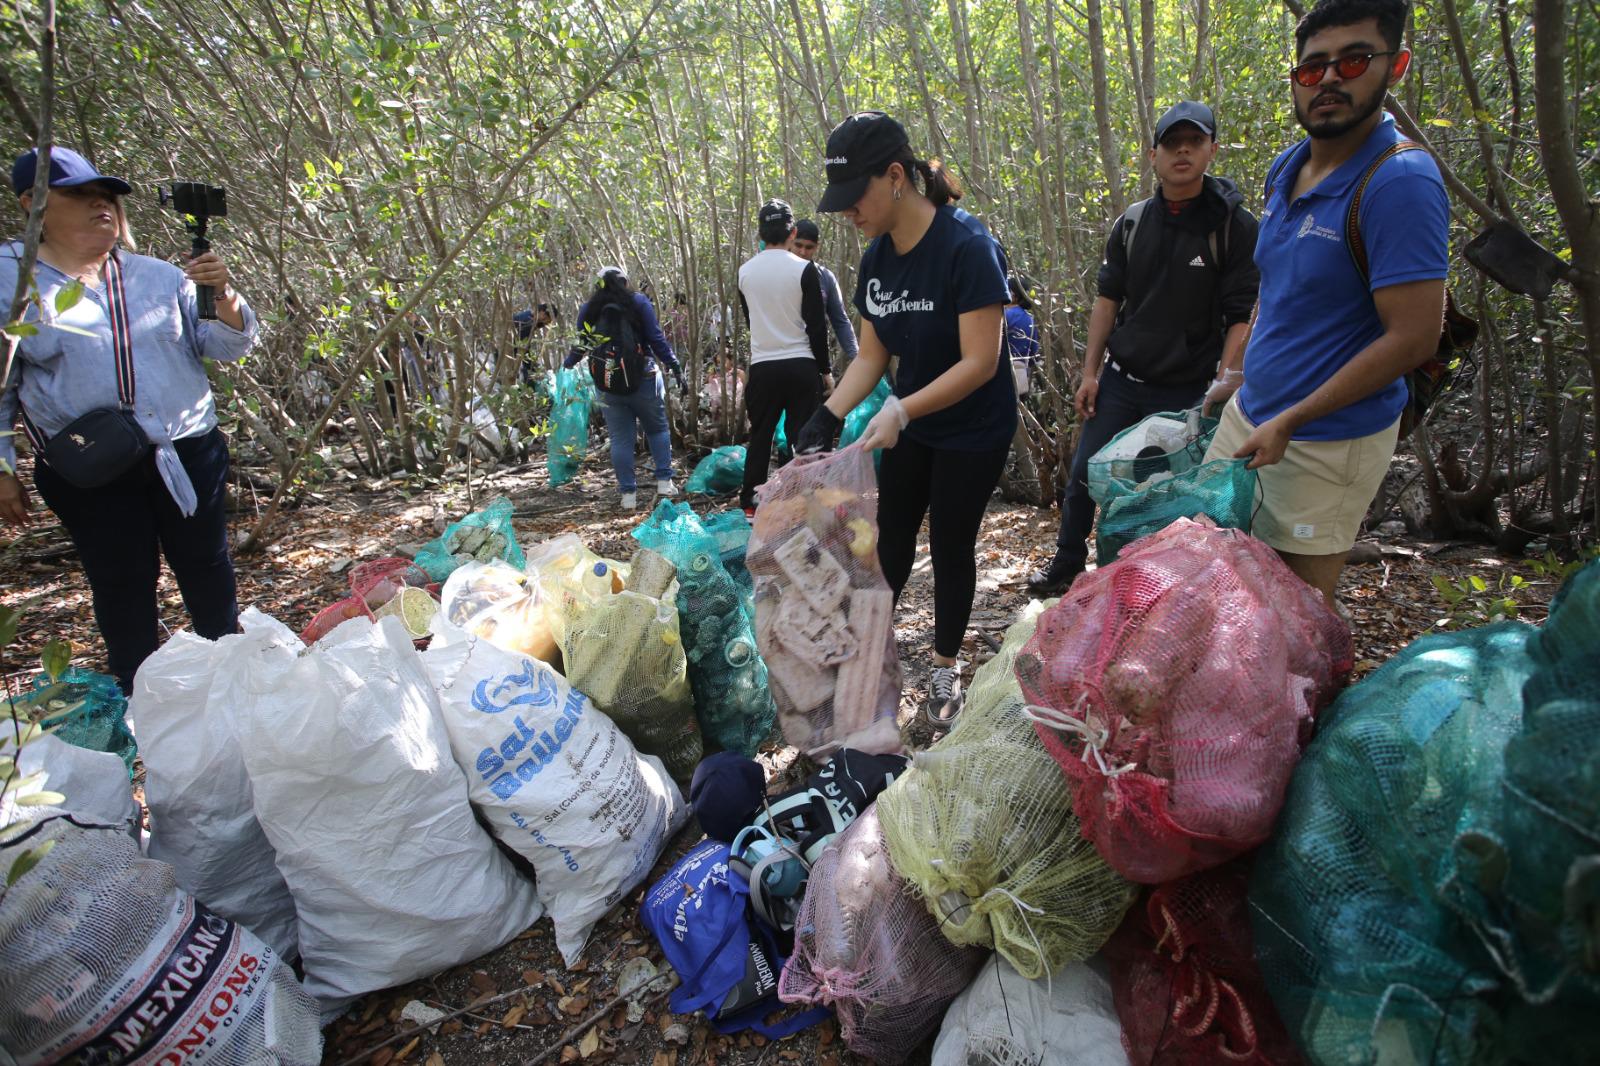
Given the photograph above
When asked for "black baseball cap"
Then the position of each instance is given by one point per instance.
(1190, 111)
(857, 148)
(806, 229)
(776, 211)
(67, 168)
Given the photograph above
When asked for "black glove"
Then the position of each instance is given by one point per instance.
(677, 376)
(819, 433)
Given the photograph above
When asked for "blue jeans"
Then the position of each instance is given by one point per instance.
(647, 408)
(1120, 404)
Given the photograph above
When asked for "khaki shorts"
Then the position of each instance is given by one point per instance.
(1314, 499)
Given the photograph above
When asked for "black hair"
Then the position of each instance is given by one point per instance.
(613, 289)
(775, 231)
(1019, 292)
(807, 229)
(938, 184)
(1390, 16)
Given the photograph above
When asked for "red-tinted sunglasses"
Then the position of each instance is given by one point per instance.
(1349, 68)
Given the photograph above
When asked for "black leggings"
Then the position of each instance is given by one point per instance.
(774, 389)
(952, 488)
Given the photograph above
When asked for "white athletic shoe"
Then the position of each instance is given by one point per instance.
(630, 501)
(665, 487)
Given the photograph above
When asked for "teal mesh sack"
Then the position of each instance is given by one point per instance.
(571, 400)
(83, 708)
(1430, 896)
(1223, 490)
(732, 530)
(1167, 443)
(720, 472)
(479, 537)
(855, 423)
(726, 672)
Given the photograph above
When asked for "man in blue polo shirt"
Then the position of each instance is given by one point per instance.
(1324, 373)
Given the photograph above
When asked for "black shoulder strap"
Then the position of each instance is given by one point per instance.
(1352, 219)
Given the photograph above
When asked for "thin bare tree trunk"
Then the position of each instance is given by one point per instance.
(1109, 158)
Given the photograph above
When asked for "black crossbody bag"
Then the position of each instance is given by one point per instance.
(100, 446)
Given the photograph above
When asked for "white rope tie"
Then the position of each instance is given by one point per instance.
(1089, 730)
(1023, 910)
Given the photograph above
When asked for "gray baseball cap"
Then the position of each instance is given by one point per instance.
(1190, 111)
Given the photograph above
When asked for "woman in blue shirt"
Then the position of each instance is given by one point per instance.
(135, 329)
(932, 292)
(1022, 336)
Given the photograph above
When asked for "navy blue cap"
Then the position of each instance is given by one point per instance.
(67, 168)
(1190, 111)
(726, 793)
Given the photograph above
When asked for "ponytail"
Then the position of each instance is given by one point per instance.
(938, 184)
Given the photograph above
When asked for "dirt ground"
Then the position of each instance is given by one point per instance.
(519, 1004)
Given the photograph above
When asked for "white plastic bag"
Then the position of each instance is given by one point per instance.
(95, 783)
(1004, 1019)
(103, 958)
(501, 604)
(392, 876)
(556, 779)
(202, 813)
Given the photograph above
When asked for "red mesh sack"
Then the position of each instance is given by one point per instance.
(1185, 981)
(327, 619)
(379, 580)
(1175, 688)
(866, 945)
(824, 615)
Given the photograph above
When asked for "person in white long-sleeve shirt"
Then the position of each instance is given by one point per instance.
(781, 296)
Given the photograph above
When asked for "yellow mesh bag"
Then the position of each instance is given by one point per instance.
(982, 826)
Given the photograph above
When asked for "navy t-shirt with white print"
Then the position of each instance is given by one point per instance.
(914, 302)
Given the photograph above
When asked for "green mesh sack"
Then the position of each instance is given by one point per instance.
(1223, 490)
(83, 708)
(1167, 443)
(571, 400)
(855, 423)
(732, 530)
(726, 673)
(982, 826)
(720, 472)
(479, 537)
(1430, 896)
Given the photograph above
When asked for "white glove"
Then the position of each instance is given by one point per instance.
(1222, 389)
(884, 429)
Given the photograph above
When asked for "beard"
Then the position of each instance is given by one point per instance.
(1360, 111)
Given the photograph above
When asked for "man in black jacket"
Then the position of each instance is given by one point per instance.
(1169, 325)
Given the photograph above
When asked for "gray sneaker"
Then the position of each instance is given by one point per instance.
(944, 698)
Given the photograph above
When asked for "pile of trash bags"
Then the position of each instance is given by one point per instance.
(718, 473)
(824, 613)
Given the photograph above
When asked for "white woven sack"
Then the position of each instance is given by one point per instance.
(202, 812)
(1004, 1019)
(556, 779)
(95, 783)
(392, 876)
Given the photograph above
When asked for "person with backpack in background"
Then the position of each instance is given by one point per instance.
(932, 291)
(1354, 252)
(781, 297)
(1175, 292)
(619, 336)
(1022, 335)
(807, 239)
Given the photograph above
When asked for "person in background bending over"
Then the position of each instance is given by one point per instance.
(134, 334)
(932, 291)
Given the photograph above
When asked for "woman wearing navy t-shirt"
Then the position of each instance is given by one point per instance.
(931, 291)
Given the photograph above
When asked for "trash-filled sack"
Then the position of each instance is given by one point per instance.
(571, 579)
(1162, 444)
(866, 946)
(355, 787)
(571, 400)
(84, 709)
(103, 958)
(732, 531)
(720, 472)
(1004, 1019)
(1185, 980)
(202, 808)
(626, 654)
(1175, 688)
(498, 602)
(726, 672)
(728, 966)
(1429, 895)
(982, 825)
(479, 537)
(556, 780)
(1223, 490)
(824, 613)
(93, 782)
(379, 588)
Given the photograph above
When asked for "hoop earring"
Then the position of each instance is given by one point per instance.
(895, 192)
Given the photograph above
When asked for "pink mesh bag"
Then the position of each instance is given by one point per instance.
(1175, 688)
(372, 584)
(866, 945)
(824, 613)
(1185, 981)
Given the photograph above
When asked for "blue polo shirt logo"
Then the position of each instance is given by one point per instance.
(1309, 228)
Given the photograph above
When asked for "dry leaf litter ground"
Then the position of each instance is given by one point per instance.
(520, 1005)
